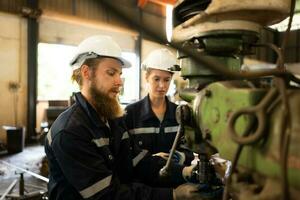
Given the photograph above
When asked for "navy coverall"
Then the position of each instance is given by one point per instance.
(151, 134)
(90, 159)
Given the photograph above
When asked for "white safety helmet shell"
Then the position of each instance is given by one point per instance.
(98, 45)
(161, 59)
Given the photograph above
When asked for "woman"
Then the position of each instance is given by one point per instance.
(152, 120)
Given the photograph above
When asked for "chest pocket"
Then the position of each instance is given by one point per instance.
(103, 148)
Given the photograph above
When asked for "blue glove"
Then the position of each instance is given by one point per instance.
(178, 157)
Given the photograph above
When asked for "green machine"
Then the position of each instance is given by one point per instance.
(252, 120)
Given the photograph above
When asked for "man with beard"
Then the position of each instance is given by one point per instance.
(90, 154)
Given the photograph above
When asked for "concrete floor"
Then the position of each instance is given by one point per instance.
(29, 159)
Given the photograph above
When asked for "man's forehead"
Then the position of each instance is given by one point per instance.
(111, 63)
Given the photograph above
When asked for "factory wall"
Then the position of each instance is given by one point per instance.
(13, 55)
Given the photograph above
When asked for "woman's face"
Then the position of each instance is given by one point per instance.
(159, 82)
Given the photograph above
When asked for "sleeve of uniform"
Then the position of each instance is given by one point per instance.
(145, 162)
(85, 169)
(152, 165)
(147, 169)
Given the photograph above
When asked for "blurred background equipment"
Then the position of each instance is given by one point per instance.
(23, 187)
(55, 108)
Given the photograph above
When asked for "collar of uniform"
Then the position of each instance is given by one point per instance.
(148, 113)
(88, 108)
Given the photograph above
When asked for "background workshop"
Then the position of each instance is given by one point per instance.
(213, 86)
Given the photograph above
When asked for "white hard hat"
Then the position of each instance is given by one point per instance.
(161, 59)
(95, 46)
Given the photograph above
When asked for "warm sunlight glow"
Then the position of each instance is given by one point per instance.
(169, 22)
(282, 26)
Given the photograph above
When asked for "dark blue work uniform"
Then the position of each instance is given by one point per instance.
(152, 134)
(90, 159)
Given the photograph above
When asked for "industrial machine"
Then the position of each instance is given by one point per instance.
(248, 114)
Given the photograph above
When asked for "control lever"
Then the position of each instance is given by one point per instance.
(165, 170)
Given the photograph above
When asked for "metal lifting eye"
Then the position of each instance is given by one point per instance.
(259, 111)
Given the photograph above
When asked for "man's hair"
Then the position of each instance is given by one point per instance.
(92, 63)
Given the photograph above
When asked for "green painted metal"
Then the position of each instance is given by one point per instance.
(199, 75)
(223, 99)
(190, 68)
(222, 44)
(212, 107)
(188, 95)
(297, 7)
(228, 42)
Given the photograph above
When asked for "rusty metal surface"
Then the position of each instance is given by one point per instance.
(29, 160)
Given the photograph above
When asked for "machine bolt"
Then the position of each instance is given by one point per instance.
(110, 157)
(207, 93)
(215, 115)
(207, 135)
(207, 130)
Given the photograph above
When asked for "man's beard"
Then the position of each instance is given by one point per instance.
(106, 107)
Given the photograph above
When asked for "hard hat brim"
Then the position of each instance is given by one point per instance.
(158, 68)
(125, 63)
(75, 64)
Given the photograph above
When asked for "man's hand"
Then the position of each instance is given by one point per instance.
(189, 174)
(221, 166)
(186, 191)
(178, 157)
(162, 155)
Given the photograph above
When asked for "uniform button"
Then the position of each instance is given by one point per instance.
(110, 157)
(140, 143)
